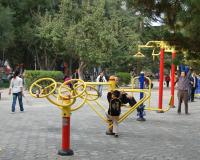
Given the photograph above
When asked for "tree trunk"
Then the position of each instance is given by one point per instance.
(45, 60)
(70, 66)
(37, 59)
(53, 63)
(3, 58)
(81, 68)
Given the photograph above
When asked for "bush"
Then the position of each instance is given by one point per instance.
(124, 78)
(31, 76)
(4, 84)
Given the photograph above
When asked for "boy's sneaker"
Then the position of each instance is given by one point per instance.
(109, 133)
(116, 135)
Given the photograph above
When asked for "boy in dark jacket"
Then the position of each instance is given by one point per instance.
(116, 99)
(114, 112)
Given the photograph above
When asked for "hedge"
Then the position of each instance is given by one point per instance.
(33, 75)
(124, 78)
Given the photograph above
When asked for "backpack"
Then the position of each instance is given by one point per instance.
(100, 79)
(114, 107)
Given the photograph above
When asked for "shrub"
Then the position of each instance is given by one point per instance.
(4, 84)
(124, 78)
(32, 75)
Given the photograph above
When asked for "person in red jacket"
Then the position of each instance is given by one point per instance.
(167, 80)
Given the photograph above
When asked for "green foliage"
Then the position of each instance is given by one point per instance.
(94, 32)
(124, 78)
(31, 76)
(4, 84)
(178, 59)
(180, 18)
(6, 27)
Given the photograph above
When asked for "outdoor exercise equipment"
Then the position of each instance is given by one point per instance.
(197, 91)
(43, 87)
(141, 107)
(148, 106)
(94, 105)
(64, 95)
(164, 47)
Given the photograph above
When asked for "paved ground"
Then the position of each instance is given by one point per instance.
(36, 134)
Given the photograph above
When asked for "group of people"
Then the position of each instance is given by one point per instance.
(192, 84)
(185, 82)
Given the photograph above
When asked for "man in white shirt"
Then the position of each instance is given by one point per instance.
(100, 78)
(16, 87)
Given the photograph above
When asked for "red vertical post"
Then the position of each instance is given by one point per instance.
(66, 151)
(172, 78)
(161, 77)
(65, 133)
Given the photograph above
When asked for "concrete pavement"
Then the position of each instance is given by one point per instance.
(36, 133)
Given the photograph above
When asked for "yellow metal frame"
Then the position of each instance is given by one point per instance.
(157, 44)
(64, 85)
(42, 89)
(198, 94)
(57, 98)
(66, 105)
(149, 108)
(127, 113)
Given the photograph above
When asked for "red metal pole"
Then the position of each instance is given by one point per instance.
(65, 133)
(66, 151)
(172, 78)
(161, 77)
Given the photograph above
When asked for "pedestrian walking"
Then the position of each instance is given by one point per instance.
(167, 80)
(194, 85)
(16, 88)
(183, 83)
(100, 78)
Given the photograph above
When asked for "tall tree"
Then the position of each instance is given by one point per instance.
(6, 28)
(94, 32)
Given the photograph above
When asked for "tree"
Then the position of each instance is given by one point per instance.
(23, 22)
(93, 32)
(181, 18)
(6, 28)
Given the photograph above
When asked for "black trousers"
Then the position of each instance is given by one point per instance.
(192, 93)
(167, 82)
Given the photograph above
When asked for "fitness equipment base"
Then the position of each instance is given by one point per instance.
(68, 152)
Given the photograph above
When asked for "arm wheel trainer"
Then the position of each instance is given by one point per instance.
(43, 87)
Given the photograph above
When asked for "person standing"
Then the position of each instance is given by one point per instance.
(167, 80)
(16, 87)
(194, 85)
(183, 83)
(75, 75)
(100, 78)
(114, 112)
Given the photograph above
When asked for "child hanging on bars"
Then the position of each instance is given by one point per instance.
(114, 112)
(116, 99)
